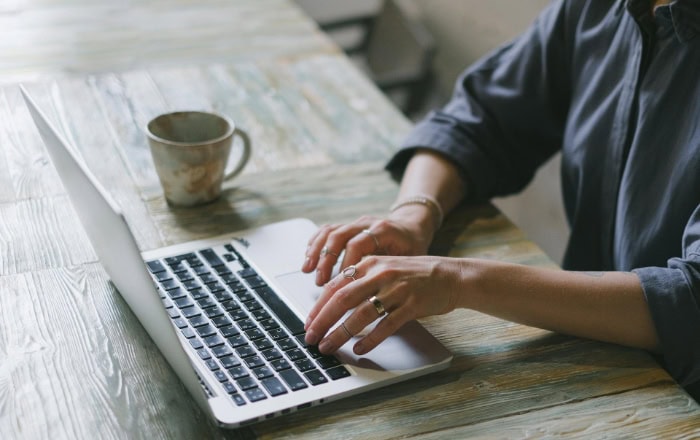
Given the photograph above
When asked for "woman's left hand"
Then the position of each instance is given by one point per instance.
(393, 289)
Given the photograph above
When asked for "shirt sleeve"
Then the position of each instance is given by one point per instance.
(507, 114)
(672, 293)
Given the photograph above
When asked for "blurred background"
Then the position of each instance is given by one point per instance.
(415, 49)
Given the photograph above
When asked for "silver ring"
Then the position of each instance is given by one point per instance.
(374, 237)
(350, 272)
(325, 251)
(350, 335)
(378, 306)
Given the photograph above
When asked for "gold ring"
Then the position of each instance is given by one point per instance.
(350, 272)
(350, 335)
(374, 237)
(378, 306)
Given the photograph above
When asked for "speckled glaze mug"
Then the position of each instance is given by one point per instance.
(190, 151)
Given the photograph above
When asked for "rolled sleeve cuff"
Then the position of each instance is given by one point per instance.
(676, 315)
(476, 170)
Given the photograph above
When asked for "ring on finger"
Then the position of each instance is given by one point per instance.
(378, 306)
(325, 251)
(350, 272)
(374, 237)
(345, 329)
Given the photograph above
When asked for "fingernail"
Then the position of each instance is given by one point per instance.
(359, 348)
(319, 278)
(311, 337)
(325, 346)
(305, 266)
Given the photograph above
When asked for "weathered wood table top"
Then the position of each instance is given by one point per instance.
(75, 362)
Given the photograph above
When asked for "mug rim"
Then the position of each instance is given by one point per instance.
(228, 133)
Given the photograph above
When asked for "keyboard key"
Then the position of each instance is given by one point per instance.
(223, 296)
(238, 372)
(169, 284)
(222, 270)
(293, 380)
(238, 315)
(221, 351)
(199, 294)
(229, 278)
(280, 364)
(185, 276)
(261, 315)
(252, 305)
(215, 287)
(263, 344)
(255, 282)
(338, 373)
(295, 354)
(271, 354)
(213, 312)
(188, 332)
(220, 376)
(184, 302)
(245, 296)
(327, 362)
(229, 387)
(263, 372)
(190, 312)
(278, 333)
(238, 399)
(255, 395)
(204, 354)
(177, 292)
(199, 321)
(207, 278)
(229, 362)
(227, 332)
(246, 383)
(162, 276)
(206, 302)
(221, 321)
(201, 270)
(214, 341)
(315, 377)
(192, 285)
(236, 287)
(230, 305)
(212, 365)
(196, 343)
(173, 313)
(304, 365)
(245, 351)
(254, 333)
(254, 362)
(180, 323)
(155, 266)
(229, 247)
(274, 386)
(247, 272)
(283, 312)
(287, 344)
(229, 257)
(246, 324)
(172, 261)
(312, 350)
(206, 330)
(237, 340)
(269, 324)
(211, 257)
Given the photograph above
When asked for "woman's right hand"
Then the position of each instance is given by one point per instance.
(406, 231)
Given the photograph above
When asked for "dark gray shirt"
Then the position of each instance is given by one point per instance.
(616, 89)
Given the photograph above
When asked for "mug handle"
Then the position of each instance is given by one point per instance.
(244, 157)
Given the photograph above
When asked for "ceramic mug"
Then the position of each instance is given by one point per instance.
(190, 151)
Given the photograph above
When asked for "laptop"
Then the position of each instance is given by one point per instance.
(227, 312)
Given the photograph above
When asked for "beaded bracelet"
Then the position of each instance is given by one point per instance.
(424, 200)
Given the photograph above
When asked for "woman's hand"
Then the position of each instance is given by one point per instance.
(407, 231)
(395, 289)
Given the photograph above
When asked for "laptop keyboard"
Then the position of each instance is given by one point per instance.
(225, 316)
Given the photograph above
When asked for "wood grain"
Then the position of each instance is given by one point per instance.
(74, 361)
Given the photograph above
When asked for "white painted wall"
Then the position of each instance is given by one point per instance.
(465, 30)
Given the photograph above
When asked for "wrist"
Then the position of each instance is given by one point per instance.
(418, 218)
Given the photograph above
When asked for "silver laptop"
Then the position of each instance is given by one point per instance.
(227, 312)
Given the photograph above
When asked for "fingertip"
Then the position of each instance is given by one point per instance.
(360, 348)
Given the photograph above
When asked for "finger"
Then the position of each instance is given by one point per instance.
(344, 299)
(360, 318)
(361, 244)
(328, 290)
(389, 325)
(336, 241)
(313, 250)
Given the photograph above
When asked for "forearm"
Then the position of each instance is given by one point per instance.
(606, 306)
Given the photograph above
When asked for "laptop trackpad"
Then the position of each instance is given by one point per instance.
(411, 347)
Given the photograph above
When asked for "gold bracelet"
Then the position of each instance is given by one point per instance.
(424, 200)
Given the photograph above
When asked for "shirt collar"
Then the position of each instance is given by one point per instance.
(684, 13)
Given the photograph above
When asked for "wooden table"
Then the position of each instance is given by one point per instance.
(74, 361)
